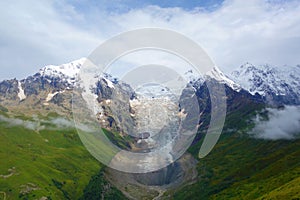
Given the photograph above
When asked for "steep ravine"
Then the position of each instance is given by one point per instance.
(153, 185)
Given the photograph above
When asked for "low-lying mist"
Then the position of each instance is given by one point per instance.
(39, 124)
(281, 124)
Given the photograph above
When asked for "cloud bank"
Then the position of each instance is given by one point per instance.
(34, 34)
(37, 124)
(282, 124)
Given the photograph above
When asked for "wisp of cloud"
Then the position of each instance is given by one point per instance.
(282, 124)
(37, 124)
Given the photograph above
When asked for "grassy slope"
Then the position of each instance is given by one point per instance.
(100, 188)
(243, 168)
(60, 168)
(240, 167)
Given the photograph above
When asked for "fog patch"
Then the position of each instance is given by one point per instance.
(281, 124)
(62, 123)
(32, 125)
(37, 124)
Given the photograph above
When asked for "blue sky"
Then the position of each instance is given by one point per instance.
(126, 5)
(38, 33)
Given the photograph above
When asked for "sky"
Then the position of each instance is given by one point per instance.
(38, 33)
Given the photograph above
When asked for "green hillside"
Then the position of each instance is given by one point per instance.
(242, 167)
(52, 163)
(46, 163)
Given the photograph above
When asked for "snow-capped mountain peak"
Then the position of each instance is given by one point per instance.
(268, 80)
(217, 74)
(67, 71)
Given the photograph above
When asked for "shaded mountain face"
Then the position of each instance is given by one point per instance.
(241, 105)
(9, 89)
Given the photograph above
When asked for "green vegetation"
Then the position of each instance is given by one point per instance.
(100, 188)
(245, 168)
(3, 109)
(45, 163)
(117, 139)
(241, 167)
(54, 164)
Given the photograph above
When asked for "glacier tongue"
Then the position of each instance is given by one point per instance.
(155, 107)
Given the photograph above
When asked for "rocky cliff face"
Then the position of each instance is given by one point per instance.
(114, 100)
(9, 89)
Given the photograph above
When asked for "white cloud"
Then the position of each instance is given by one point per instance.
(36, 33)
(19, 122)
(35, 123)
(282, 124)
(239, 31)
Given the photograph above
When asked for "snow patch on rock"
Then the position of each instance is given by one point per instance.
(21, 93)
(109, 83)
(51, 95)
(221, 77)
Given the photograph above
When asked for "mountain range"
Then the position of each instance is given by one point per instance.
(276, 86)
(241, 166)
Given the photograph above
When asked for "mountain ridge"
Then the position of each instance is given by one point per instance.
(54, 84)
(274, 84)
